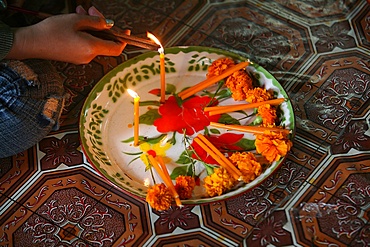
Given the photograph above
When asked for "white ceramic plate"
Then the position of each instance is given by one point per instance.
(107, 117)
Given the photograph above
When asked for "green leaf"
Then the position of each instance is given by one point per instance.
(133, 160)
(149, 117)
(257, 121)
(226, 93)
(145, 139)
(179, 101)
(173, 138)
(184, 158)
(209, 169)
(170, 88)
(180, 170)
(214, 131)
(227, 119)
(246, 144)
(190, 171)
(150, 102)
(154, 140)
(131, 139)
(138, 153)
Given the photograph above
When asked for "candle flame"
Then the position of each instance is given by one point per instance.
(146, 182)
(152, 37)
(132, 93)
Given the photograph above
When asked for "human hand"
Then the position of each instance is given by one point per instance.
(65, 38)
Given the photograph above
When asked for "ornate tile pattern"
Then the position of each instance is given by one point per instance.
(319, 50)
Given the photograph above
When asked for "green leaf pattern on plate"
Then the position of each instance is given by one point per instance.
(98, 113)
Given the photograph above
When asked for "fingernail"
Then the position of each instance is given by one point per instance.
(109, 22)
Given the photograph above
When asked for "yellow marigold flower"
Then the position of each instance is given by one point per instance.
(218, 66)
(185, 186)
(239, 83)
(258, 95)
(159, 197)
(219, 182)
(272, 145)
(268, 114)
(247, 164)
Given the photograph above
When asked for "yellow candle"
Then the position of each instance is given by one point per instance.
(136, 115)
(163, 77)
(162, 67)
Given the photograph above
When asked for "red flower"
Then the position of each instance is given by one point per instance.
(223, 142)
(190, 116)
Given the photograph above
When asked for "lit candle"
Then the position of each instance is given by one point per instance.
(161, 66)
(136, 115)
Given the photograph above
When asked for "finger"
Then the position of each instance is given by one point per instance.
(94, 12)
(110, 48)
(80, 10)
(87, 22)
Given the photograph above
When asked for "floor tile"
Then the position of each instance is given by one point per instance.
(321, 219)
(318, 50)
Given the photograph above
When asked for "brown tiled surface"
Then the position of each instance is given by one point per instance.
(319, 50)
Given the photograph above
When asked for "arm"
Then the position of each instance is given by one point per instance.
(64, 38)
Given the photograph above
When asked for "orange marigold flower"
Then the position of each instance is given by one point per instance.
(268, 114)
(272, 145)
(159, 197)
(219, 182)
(219, 65)
(247, 164)
(185, 186)
(239, 83)
(258, 95)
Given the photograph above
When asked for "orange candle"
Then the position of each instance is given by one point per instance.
(154, 163)
(214, 110)
(172, 188)
(163, 77)
(212, 80)
(251, 129)
(136, 115)
(217, 158)
(163, 173)
(162, 67)
(234, 171)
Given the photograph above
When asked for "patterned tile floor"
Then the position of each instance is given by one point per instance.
(319, 50)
